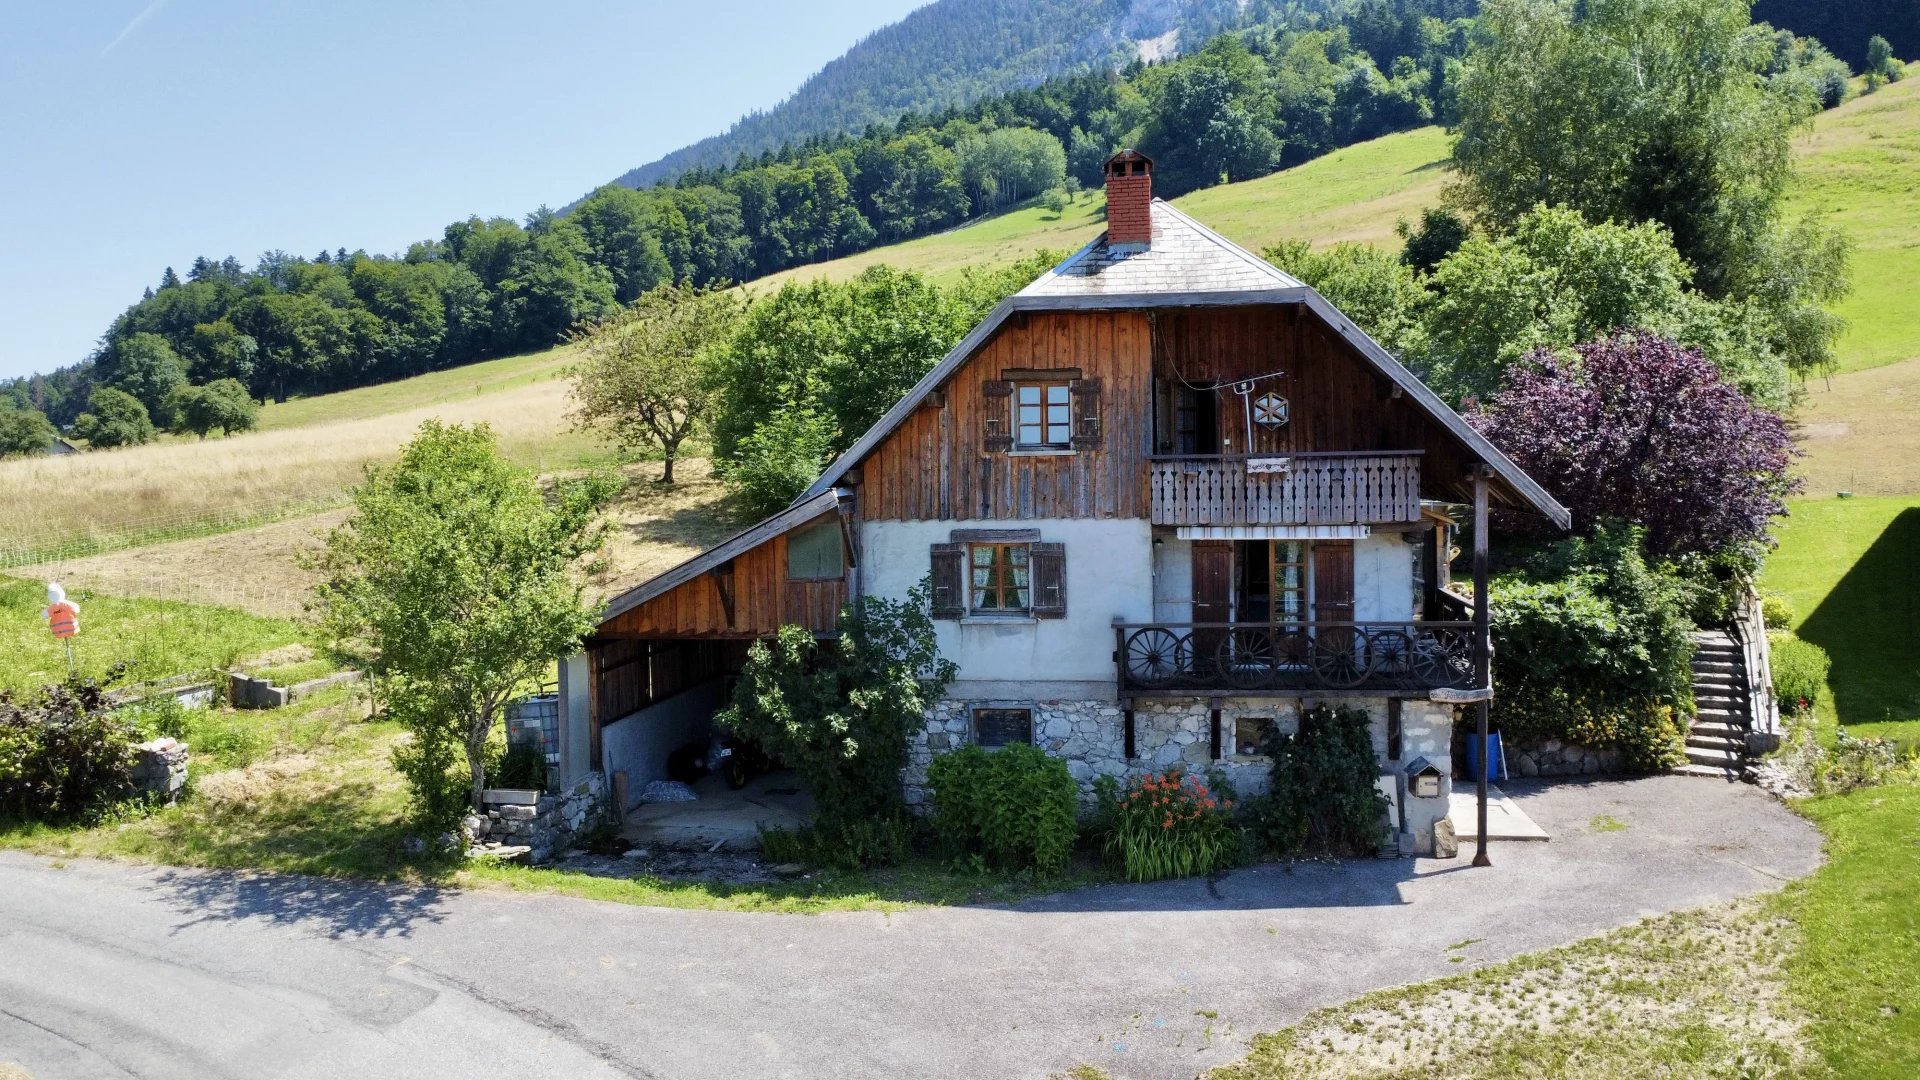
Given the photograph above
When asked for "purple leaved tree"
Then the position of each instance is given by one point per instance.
(1638, 428)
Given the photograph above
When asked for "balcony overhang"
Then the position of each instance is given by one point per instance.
(1274, 532)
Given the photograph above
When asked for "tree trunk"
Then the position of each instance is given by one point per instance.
(670, 451)
(477, 762)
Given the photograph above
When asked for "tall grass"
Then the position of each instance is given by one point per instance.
(67, 507)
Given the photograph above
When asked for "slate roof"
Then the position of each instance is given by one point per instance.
(1185, 257)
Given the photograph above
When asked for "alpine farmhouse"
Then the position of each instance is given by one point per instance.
(1167, 498)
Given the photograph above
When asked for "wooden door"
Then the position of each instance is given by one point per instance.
(1333, 581)
(1212, 581)
(1212, 598)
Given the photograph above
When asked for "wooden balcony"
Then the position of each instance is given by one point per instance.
(1289, 489)
(1286, 659)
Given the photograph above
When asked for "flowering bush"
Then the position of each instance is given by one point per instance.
(1171, 825)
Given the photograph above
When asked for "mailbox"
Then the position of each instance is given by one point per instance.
(1423, 779)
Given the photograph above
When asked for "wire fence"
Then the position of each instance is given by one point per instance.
(158, 529)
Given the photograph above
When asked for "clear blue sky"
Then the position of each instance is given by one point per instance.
(136, 134)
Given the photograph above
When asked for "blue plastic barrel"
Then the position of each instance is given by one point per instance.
(1494, 762)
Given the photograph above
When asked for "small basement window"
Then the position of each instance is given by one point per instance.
(816, 553)
(1253, 736)
(998, 727)
(1043, 415)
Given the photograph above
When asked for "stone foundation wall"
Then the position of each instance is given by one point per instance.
(1558, 757)
(1091, 736)
(543, 829)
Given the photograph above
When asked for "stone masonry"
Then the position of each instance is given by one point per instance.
(547, 827)
(160, 770)
(1091, 736)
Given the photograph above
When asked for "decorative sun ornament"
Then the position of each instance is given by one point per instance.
(1271, 410)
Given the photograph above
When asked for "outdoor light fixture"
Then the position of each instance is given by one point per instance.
(1423, 779)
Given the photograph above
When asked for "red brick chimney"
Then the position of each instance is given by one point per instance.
(1129, 201)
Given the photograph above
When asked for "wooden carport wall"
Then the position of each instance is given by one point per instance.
(693, 622)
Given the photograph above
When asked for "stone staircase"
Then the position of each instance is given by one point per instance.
(1717, 742)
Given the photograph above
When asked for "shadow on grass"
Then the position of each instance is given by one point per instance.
(1870, 624)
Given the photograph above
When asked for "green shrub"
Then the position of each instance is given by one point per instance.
(522, 765)
(1648, 733)
(1799, 672)
(1171, 825)
(1776, 611)
(1594, 644)
(1325, 798)
(841, 712)
(64, 753)
(1010, 810)
(1856, 763)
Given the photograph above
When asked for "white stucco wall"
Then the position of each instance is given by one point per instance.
(638, 743)
(1383, 578)
(1109, 576)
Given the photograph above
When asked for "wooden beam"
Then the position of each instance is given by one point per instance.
(1482, 648)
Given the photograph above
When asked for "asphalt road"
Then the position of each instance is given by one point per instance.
(109, 970)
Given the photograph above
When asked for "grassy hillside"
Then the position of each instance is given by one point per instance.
(421, 391)
(1860, 168)
(1357, 193)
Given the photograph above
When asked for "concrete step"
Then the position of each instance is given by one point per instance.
(1715, 667)
(1725, 678)
(1710, 772)
(1715, 730)
(1717, 745)
(1716, 714)
(1720, 758)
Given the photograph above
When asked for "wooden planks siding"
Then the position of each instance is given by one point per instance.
(935, 465)
(763, 600)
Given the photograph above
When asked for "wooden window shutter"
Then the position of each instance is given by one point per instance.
(949, 581)
(1087, 427)
(1049, 568)
(996, 415)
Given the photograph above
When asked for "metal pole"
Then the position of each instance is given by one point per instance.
(1482, 646)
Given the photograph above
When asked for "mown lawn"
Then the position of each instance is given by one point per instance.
(1822, 979)
(158, 638)
(1851, 570)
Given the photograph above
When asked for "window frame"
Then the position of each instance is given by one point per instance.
(1046, 386)
(973, 723)
(840, 541)
(1002, 563)
(1272, 730)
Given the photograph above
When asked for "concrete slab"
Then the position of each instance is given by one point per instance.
(723, 816)
(1505, 819)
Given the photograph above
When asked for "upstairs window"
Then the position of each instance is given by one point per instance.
(1043, 415)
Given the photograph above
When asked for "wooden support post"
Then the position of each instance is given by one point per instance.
(1482, 647)
(1213, 738)
(1127, 734)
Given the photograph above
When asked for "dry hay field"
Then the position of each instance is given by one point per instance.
(261, 569)
(183, 487)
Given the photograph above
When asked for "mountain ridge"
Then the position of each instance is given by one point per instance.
(938, 57)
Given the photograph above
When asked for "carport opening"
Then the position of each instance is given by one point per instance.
(661, 696)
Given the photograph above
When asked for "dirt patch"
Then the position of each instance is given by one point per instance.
(1861, 432)
(296, 653)
(717, 868)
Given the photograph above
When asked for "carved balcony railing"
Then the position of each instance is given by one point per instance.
(1293, 658)
(1286, 489)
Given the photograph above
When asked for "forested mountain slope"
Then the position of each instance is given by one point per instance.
(1845, 26)
(952, 53)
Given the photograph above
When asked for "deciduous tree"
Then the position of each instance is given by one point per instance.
(643, 379)
(460, 580)
(1638, 429)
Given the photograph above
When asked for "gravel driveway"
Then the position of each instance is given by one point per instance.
(109, 970)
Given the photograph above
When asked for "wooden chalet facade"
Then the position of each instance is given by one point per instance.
(1166, 496)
